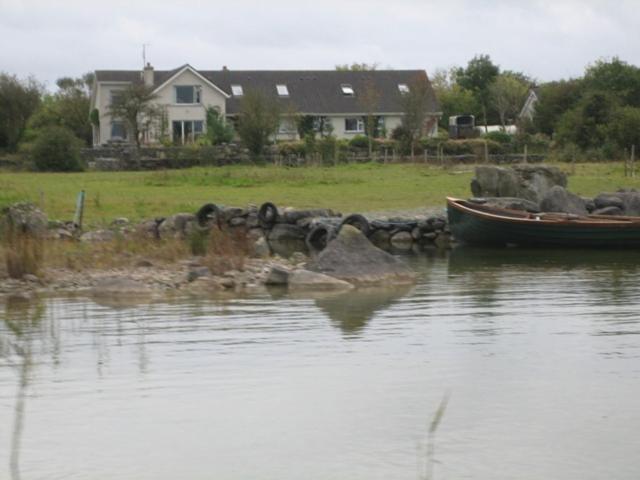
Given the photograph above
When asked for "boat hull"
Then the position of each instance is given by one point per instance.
(482, 229)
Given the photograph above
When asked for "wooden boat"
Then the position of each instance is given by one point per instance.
(483, 225)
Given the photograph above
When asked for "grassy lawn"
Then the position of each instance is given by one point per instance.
(347, 188)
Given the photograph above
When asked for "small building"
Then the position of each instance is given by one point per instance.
(334, 100)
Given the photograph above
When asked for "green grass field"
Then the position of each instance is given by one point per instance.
(347, 188)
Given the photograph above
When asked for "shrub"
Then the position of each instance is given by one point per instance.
(218, 130)
(57, 149)
(227, 250)
(359, 141)
(291, 148)
(500, 137)
(328, 148)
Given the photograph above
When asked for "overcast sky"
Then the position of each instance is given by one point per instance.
(547, 39)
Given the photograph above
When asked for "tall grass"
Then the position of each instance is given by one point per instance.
(227, 249)
(23, 251)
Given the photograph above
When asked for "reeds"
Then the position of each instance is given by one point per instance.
(227, 249)
(23, 251)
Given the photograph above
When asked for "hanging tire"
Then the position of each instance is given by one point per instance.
(318, 238)
(358, 221)
(208, 213)
(267, 215)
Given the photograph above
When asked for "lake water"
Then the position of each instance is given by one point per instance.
(538, 352)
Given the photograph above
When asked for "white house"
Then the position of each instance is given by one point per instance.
(330, 97)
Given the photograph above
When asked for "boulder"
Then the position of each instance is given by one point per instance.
(305, 279)
(353, 258)
(283, 232)
(558, 199)
(277, 276)
(510, 203)
(608, 211)
(98, 236)
(631, 201)
(605, 200)
(530, 182)
(261, 248)
(25, 218)
(175, 225)
(401, 239)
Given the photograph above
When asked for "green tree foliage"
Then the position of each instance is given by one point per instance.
(507, 94)
(616, 77)
(624, 128)
(218, 130)
(134, 105)
(453, 99)
(56, 149)
(259, 120)
(415, 104)
(357, 67)
(18, 100)
(477, 77)
(555, 98)
(368, 100)
(586, 124)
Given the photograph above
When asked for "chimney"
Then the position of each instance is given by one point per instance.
(147, 75)
(224, 68)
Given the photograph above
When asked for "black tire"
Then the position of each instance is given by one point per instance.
(267, 215)
(207, 213)
(318, 238)
(358, 221)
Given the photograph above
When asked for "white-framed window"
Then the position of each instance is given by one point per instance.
(347, 90)
(287, 126)
(236, 90)
(188, 94)
(118, 131)
(354, 125)
(403, 88)
(115, 96)
(186, 131)
(282, 89)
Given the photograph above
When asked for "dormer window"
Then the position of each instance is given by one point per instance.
(282, 89)
(403, 88)
(188, 94)
(347, 90)
(236, 90)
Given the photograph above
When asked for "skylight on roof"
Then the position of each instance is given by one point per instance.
(282, 89)
(236, 90)
(347, 90)
(403, 88)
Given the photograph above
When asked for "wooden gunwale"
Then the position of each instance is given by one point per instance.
(526, 218)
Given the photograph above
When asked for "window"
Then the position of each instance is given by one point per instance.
(118, 131)
(347, 90)
(236, 90)
(287, 126)
(354, 125)
(186, 131)
(403, 88)
(283, 91)
(189, 94)
(116, 96)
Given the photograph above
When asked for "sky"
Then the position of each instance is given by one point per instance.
(545, 39)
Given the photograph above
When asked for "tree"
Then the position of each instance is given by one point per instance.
(616, 77)
(18, 100)
(218, 131)
(415, 104)
(477, 77)
(357, 67)
(134, 105)
(259, 120)
(57, 149)
(507, 94)
(453, 99)
(68, 107)
(368, 100)
(624, 127)
(586, 124)
(554, 99)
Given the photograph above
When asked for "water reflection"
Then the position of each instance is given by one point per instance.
(22, 319)
(350, 311)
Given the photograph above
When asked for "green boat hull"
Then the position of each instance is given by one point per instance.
(477, 230)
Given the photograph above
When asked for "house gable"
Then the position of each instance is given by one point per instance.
(179, 76)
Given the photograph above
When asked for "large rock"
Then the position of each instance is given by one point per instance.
(510, 203)
(353, 258)
(306, 279)
(530, 182)
(560, 200)
(628, 201)
(176, 225)
(24, 218)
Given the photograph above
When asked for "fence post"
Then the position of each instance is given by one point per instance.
(77, 218)
(525, 152)
(486, 152)
(633, 160)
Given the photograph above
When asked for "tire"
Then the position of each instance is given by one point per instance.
(207, 213)
(267, 215)
(318, 238)
(358, 221)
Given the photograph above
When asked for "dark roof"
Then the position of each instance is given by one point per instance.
(310, 91)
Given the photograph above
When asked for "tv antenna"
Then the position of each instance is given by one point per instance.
(144, 54)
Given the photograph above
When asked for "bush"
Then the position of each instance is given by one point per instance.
(359, 141)
(291, 148)
(328, 148)
(500, 137)
(57, 149)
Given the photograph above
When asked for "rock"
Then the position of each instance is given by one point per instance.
(175, 225)
(605, 200)
(298, 257)
(631, 203)
(147, 229)
(284, 232)
(261, 248)
(61, 234)
(558, 199)
(119, 286)
(252, 220)
(416, 233)
(353, 258)
(120, 222)
(294, 216)
(25, 218)
(430, 237)
(277, 276)
(198, 272)
(530, 182)
(401, 239)
(28, 277)
(143, 263)
(305, 279)
(608, 211)
(510, 203)
(443, 240)
(230, 213)
(381, 239)
(237, 222)
(98, 236)
(206, 285)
